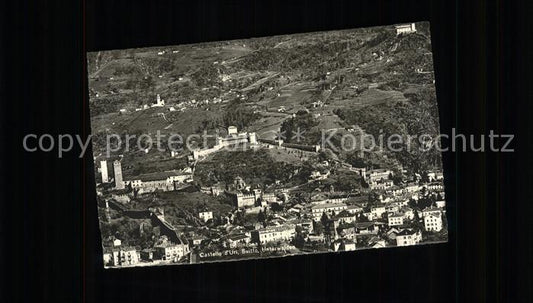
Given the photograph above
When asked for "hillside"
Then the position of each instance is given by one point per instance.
(370, 78)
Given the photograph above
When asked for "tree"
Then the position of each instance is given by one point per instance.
(362, 218)
(324, 219)
(261, 217)
(298, 241)
(318, 227)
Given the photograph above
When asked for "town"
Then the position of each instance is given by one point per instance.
(265, 186)
(275, 220)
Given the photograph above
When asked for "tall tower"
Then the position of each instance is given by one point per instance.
(103, 170)
(117, 168)
(253, 138)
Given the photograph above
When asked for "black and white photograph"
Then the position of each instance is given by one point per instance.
(266, 151)
(267, 147)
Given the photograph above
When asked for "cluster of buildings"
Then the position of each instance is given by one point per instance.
(351, 223)
(163, 251)
(171, 247)
(119, 255)
(336, 221)
(233, 138)
(163, 181)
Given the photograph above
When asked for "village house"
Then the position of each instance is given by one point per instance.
(121, 256)
(408, 237)
(242, 199)
(376, 175)
(273, 234)
(205, 215)
(434, 186)
(392, 208)
(343, 245)
(433, 222)
(395, 219)
(412, 187)
(344, 217)
(381, 184)
(378, 211)
(405, 28)
(169, 251)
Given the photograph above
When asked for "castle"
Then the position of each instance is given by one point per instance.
(164, 181)
(233, 138)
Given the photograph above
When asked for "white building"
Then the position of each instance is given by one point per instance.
(121, 256)
(408, 237)
(206, 215)
(274, 234)
(433, 222)
(395, 219)
(381, 184)
(405, 28)
(168, 251)
(375, 175)
(378, 211)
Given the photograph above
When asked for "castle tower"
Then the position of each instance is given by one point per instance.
(232, 130)
(103, 171)
(159, 101)
(117, 168)
(253, 138)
